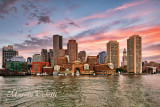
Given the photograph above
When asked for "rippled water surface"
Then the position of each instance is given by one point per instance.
(80, 91)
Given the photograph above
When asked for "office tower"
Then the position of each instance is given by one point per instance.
(61, 53)
(113, 53)
(57, 44)
(29, 60)
(134, 54)
(124, 58)
(101, 57)
(50, 57)
(66, 52)
(62, 61)
(8, 53)
(72, 47)
(105, 59)
(44, 55)
(82, 56)
(37, 58)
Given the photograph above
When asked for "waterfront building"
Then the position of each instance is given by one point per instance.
(16, 66)
(57, 44)
(37, 67)
(145, 63)
(82, 56)
(62, 61)
(113, 53)
(91, 60)
(8, 53)
(44, 55)
(101, 57)
(37, 58)
(134, 54)
(154, 64)
(72, 47)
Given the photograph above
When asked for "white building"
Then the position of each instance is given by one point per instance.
(37, 58)
(17, 58)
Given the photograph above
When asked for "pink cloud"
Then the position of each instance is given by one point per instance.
(127, 5)
(149, 35)
(110, 12)
(43, 34)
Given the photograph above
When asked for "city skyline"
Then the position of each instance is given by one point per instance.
(92, 29)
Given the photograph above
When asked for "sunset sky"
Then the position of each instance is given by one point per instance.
(29, 25)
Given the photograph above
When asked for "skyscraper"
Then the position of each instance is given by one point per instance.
(101, 57)
(134, 54)
(124, 58)
(61, 53)
(29, 60)
(8, 53)
(57, 44)
(44, 55)
(82, 56)
(113, 53)
(50, 57)
(72, 47)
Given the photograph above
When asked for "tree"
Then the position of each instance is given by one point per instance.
(120, 70)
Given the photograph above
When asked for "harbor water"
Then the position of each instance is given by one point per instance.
(80, 91)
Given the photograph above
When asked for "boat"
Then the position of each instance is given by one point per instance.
(77, 73)
(45, 73)
(72, 74)
(38, 74)
(55, 73)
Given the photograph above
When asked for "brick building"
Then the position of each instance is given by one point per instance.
(72, 47)
(82, 56)
(44, 55)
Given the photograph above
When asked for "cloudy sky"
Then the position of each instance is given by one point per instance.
(30, 24)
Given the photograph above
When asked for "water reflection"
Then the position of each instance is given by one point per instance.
(83, 91)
